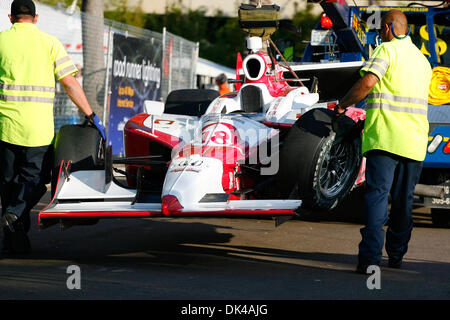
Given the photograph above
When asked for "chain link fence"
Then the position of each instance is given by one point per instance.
(180, 56)
(89, 42)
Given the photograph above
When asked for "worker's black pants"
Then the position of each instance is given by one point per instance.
(387, 173)
(24, 171)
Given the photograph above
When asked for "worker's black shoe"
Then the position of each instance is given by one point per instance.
(8, 220)
(18, 241)
(395, 263)
(361, 268)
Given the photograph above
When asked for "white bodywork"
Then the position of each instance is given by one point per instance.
(189, 178)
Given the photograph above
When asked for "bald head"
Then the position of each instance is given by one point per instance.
(400, 22)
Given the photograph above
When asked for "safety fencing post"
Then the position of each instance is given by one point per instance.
(107, 76)
(90, 39)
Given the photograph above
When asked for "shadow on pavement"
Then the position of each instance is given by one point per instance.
(188, 258)
(161, 237)
(352, 210)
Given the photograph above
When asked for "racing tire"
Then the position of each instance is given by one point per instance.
(317, 165)
(440, 217)
(81, 145)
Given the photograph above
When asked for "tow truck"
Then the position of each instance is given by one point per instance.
(340, 44)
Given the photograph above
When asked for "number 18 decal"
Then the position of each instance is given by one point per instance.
(220, 134)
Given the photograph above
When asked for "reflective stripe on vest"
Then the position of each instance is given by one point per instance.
(390, 107)
(30, 60)
(26, 99)
(420, 109)
(378, 64)
(65, 71)
(15, 87)
(62, 61)
(21, 93)
(392, 97)
(397, 107)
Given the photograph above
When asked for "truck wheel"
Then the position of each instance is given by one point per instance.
(80, 144)
(440, 217)
(314, 165)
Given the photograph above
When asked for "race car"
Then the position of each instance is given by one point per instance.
(269, 148)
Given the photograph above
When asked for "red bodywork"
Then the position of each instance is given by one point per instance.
(141, 140)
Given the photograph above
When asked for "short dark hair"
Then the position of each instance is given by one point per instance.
(221, 78)
(22, 8)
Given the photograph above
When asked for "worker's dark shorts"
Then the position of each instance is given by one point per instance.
(24, 171)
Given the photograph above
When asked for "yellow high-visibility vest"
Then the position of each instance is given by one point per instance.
(397, 106)
(29, 61)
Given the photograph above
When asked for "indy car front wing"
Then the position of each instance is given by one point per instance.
(90, 194)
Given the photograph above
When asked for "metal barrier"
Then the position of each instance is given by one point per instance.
(92, 52)
(179, 62)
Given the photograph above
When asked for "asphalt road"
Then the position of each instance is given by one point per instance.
(216, 258)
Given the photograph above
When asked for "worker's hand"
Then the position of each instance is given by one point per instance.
(339, 113)
(356, 130)
(98, 124)
(338, 110)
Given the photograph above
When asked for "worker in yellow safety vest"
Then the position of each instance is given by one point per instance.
(395, 81)
(29, 62)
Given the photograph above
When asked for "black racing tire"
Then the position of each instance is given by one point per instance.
(81, 145)
(440, 217)
(189, 102)
(318, 165)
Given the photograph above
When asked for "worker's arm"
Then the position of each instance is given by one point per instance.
(77, 95)
(358, 92)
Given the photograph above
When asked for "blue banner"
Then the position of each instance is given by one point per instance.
(136, 77)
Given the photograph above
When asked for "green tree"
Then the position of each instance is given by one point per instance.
(305, 20)
(179, 20)
(63, 3)
(122, 11)
(227, 41)
(220, 37)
